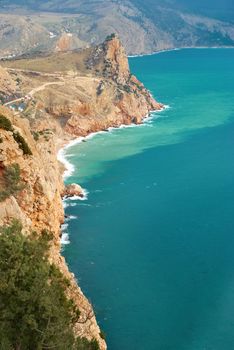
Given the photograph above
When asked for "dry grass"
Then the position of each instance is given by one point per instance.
(59, 62)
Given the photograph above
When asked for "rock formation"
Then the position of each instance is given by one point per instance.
(38, 206)
(73, 190)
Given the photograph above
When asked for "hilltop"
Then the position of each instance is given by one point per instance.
(84, 91)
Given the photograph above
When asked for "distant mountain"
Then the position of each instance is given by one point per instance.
(143, 26)
(219, 9)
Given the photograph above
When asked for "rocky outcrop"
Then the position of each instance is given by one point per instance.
(110, 60)
(73, 190)
(119, 97)
(64, 43)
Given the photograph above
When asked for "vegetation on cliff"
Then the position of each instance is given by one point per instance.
(72, 93)
(6, 124)
(10, 182)
(35, 312)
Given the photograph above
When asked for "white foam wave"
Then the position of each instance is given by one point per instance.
(72, 217)
(65, 205)
(70, 168)
(155, 52)
(62, 154)
(65, 238)
(64, 226)
(83, 197)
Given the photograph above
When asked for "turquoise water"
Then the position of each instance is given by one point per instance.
(153, 246)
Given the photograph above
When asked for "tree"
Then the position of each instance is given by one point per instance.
(35, 313)
(10, 182)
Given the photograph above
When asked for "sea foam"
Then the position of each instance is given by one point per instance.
(63, 156)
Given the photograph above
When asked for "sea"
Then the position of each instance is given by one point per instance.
(152, 244)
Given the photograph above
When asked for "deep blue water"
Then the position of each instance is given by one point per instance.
(153, 246)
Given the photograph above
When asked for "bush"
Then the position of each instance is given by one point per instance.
(127, 88)
(102, 335)
(5, 123)
(22, 143)
(36, 135)
(10, 183)
(35, 311)
(84, 344)
(110, 37)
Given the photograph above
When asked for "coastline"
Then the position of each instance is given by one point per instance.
(69, 168)
(181, 48)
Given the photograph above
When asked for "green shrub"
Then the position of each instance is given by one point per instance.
(5, 123)
(35, 311)
(10, 183)
(102, 335)
(110, 37)
(22, 143)
(84, 344)
(36, 135)
(127, 88)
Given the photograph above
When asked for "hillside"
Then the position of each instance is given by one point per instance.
(143, 27)
(47, 102)
(85, 91)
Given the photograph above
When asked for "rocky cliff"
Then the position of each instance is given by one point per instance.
(39, 205)
(112, 95)
(96, 92)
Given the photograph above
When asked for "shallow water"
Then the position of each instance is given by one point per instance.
(153, 246)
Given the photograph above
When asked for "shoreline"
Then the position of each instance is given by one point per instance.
(70, 168)
(61, 154)
(181, 48)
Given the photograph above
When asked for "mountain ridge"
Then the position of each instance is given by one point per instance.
(143, 28)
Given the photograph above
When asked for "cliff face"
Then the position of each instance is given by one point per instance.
(117, 96)
(96, 92)
(39, 206)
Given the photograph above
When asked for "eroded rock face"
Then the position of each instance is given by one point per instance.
(39, 206)
(110, 59)
(115, 96)
(117, 61)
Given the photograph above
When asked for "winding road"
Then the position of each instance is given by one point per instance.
(35, 90)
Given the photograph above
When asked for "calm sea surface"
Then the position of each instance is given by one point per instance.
(153, 246)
